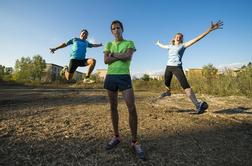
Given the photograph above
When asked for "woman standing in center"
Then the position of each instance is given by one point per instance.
(118, 54)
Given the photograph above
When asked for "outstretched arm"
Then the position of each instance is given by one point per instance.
(214, 26)
(97, 45)
(161, 45)
(52, 50)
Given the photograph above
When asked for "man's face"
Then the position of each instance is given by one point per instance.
(84, 35)
(116, 30)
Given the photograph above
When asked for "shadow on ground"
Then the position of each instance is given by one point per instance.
(237, 110)
(214, 147)
(71, 127)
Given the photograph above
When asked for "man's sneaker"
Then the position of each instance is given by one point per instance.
(139, 151)
(165, 94)
(88, 80)
(114, 141)
(62, 72)
(202, 107)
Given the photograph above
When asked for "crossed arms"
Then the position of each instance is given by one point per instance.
(112, 57)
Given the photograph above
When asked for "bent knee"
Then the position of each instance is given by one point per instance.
(93, 62)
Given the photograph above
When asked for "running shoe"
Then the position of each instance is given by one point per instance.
(139, 151)
(112, 143)
(62, 72)
(165, 94)
(202, 107)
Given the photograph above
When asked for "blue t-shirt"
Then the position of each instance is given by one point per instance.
(79, 48)
(175, 54)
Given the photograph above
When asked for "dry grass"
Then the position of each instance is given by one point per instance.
(71, 127)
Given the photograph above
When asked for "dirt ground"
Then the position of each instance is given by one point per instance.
(72, 126)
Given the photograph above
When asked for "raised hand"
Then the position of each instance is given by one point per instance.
(52, 50)
(158, 42)
(217, 25)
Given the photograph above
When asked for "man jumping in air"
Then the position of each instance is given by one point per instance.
(78, 56)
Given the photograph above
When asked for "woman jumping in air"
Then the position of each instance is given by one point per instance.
(176, 50)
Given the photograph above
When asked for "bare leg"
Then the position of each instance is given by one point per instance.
(91, 65)
(189, 92)
(68, 75)
(113, 108)
(168, 89)
(130, 102)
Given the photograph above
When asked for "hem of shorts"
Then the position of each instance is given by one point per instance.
(118, 74)
(118, 89)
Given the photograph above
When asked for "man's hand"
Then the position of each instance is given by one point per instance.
(110, 55)
(52, 50)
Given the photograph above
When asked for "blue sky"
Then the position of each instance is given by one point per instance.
(30, 27)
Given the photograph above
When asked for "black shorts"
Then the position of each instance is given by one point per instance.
(117, 82)
(74, 63)
(179, 73)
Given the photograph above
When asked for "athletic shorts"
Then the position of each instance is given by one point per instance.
(117, 82)
(179, 73)
(74, 63)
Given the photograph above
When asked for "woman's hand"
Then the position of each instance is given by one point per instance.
(158, 42)
(217, 25)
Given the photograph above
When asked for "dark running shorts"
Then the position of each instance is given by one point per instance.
(117, 82)
(74, 63)
(179, 73)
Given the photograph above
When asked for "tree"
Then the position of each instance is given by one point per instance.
(23, 69)
(248, 70)
(145, 77)
(249, 64)
(38, 66)
(29, 69)
(1, 71)
(209, 71)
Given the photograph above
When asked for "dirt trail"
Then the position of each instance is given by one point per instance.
(72, 126)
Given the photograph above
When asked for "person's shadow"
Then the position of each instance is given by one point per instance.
(236, 110)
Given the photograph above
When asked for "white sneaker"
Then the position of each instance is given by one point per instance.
(62, 72)
(88, 81)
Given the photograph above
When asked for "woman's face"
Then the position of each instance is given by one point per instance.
(178, 38)
(116, 30)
